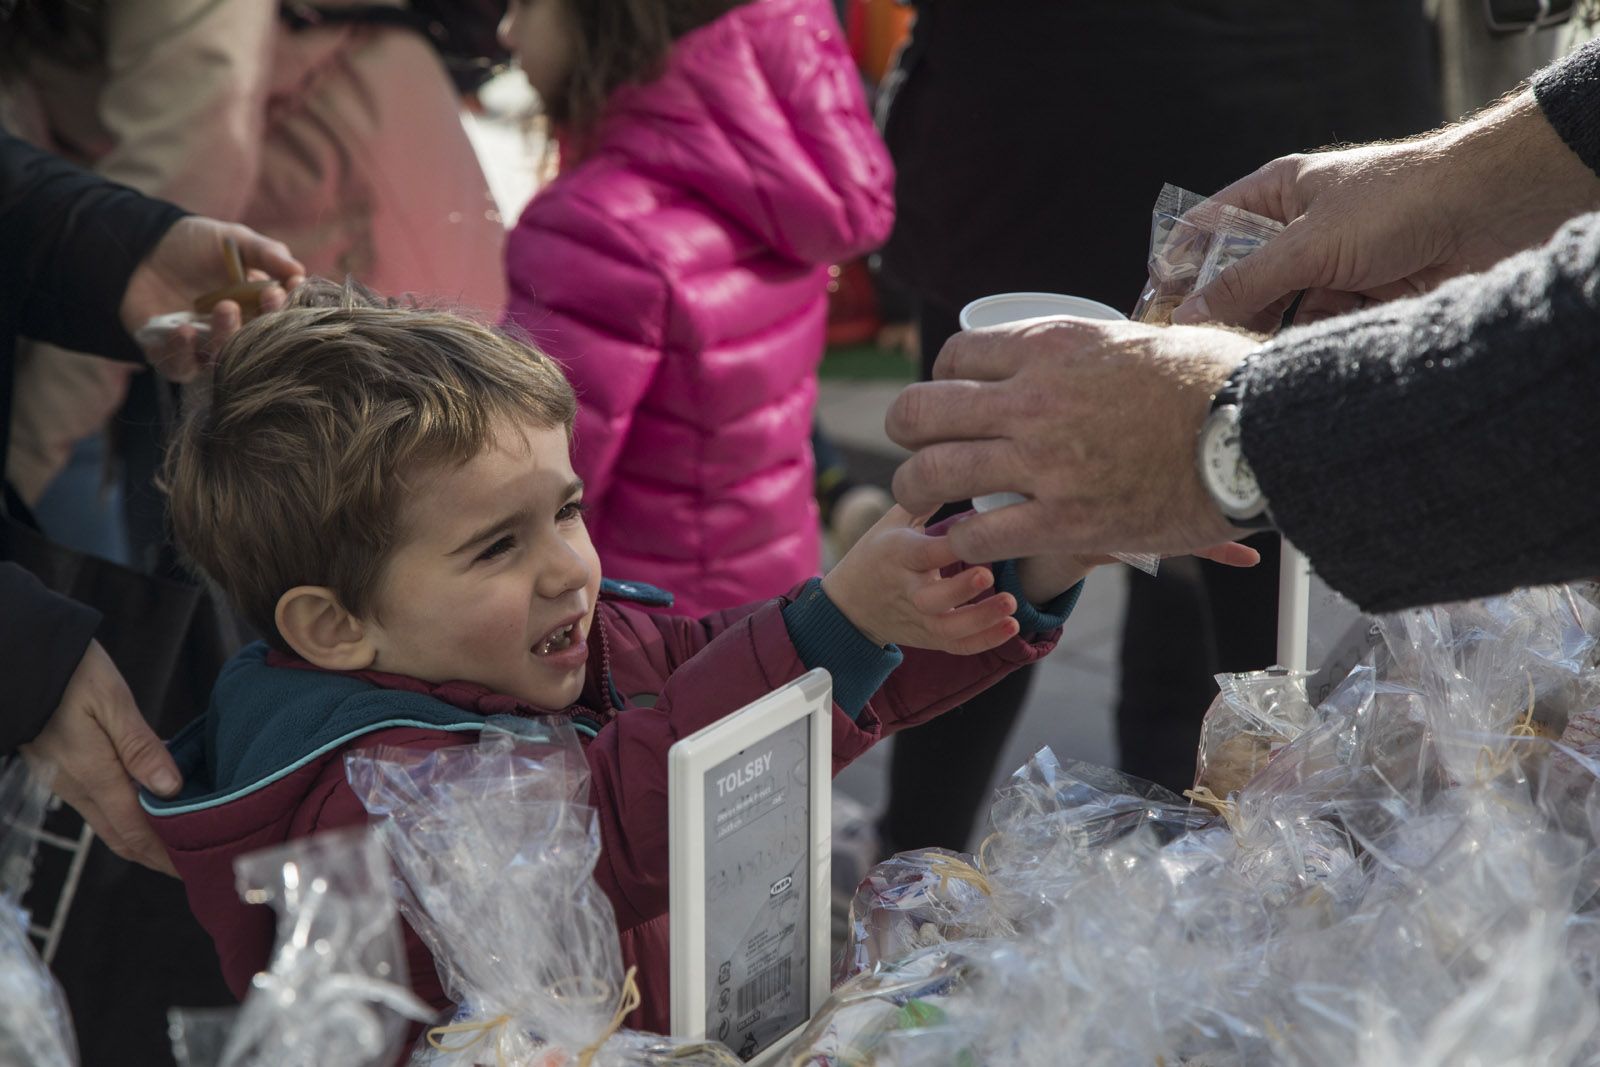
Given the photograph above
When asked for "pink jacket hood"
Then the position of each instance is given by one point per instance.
(758, 94)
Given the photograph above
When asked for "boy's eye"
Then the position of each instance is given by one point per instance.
(499, 548)
(571, 511)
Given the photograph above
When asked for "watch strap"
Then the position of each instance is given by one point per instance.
(1232, 393)
(1232, 390)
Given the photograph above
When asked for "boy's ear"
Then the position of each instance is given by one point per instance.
(319, 628)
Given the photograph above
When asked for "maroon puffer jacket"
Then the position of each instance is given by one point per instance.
(266, 763)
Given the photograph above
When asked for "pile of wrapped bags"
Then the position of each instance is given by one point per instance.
(1407, 873)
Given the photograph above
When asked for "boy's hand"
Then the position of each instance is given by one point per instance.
(1046, 577)
(890, 588)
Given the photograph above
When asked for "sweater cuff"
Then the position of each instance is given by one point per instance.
(1035, 618)
(825, 638)
(1569, 94)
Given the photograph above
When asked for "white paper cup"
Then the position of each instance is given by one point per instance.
(1015, 307)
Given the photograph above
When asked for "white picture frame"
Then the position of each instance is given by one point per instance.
(690, 761)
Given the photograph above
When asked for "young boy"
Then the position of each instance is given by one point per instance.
(386, 494)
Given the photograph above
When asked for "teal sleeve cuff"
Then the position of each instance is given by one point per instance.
(825, 638)
(1035, 618)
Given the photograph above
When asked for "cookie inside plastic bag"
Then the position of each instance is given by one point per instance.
(906, 1012)
(1192, 240)
(915, 900)
(1252, 717)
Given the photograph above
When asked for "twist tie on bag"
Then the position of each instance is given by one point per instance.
(983, 870)
(571, 990)
(948, 867)
(626, 1003)
(1221, 805)
(1492, 764)
(983, 852)
(483, 1029)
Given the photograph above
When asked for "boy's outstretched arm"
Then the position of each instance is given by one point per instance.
(911, 592)
(905, 585)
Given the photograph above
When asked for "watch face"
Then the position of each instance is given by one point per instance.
(1227, 476)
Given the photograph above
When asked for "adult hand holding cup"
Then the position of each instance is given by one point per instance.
(1002, 308)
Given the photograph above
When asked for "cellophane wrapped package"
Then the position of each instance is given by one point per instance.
(35, 1028)
(1252, 717)
(915, 900)
(335, 990)
(495, 847)
(1055, 817)
(908, 1012)
(1192, 240)
(1410, 874)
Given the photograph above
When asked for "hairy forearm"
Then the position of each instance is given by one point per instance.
(1512, 175)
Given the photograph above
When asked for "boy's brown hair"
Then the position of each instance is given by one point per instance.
(292, 472)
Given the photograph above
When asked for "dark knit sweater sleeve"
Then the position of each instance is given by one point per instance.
(71, 242)
(1569, 93)
(1446, 446)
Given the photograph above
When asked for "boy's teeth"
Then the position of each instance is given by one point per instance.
(556, 641)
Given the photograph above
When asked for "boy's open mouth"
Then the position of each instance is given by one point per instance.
(559, 639)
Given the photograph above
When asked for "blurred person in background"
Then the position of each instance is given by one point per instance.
(716, 157)
(62, 280)
(1478, 62)
(333, 127)
(1580, 30)
(1031, 138)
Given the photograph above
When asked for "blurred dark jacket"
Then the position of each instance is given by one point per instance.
(68, 243)
(1032, 136)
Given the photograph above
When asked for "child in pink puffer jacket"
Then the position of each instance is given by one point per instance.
(717, 156)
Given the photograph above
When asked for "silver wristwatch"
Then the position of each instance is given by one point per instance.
(1224, 471)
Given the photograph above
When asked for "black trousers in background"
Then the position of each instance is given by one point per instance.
(1193, 620)
(939, 772)
(1030, 139)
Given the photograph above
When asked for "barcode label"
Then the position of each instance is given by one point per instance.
(766, 985)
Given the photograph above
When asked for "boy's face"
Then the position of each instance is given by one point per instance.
(495, 580)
